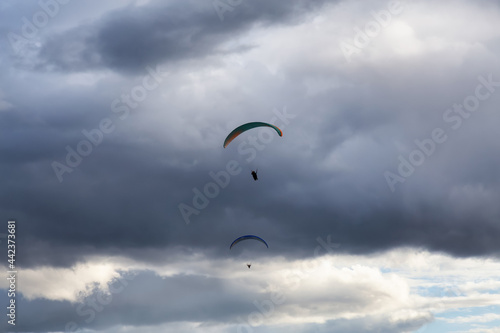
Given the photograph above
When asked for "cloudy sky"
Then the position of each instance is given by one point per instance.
(380, 203)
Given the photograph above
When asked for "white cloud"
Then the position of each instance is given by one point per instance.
(481, 330)
(473, 319)
(315, 290)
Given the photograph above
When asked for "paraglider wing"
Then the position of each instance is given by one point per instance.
(242, 238)
(245, 127)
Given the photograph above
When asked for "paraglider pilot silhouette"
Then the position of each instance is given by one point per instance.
(254, 175)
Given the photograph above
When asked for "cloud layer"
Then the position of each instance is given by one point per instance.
(112, 121)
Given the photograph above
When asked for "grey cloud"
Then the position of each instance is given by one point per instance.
(323, 177)
(296, 200)
(139, 298)
(135, 37)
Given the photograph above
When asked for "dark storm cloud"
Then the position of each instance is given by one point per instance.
(322, 180)
(124, 196)
(134, 37)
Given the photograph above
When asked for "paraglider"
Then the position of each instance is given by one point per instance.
(248, 237)
(234, 133)
(245, 127)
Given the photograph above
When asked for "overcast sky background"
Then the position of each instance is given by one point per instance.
(380, 203)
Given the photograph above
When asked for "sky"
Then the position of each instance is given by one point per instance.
(379, 203)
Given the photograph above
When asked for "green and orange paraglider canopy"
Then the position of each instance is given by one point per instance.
(245, 127)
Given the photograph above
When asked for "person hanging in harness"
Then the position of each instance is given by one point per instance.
(254, 174)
